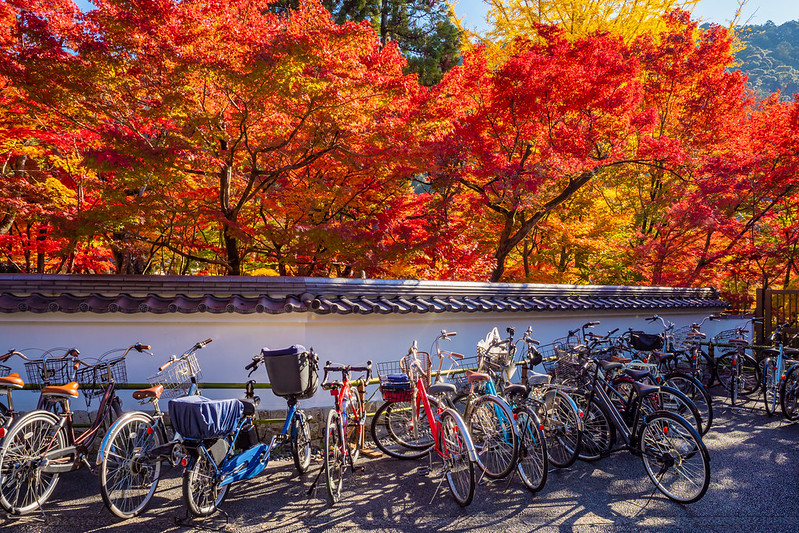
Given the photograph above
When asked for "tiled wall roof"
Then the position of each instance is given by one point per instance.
(176, 294)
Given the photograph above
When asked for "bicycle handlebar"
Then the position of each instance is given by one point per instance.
(187, 353)
(345, 370)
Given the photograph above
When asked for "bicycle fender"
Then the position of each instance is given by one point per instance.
(120, 420)
(465, 432)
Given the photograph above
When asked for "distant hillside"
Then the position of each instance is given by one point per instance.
(771, 57)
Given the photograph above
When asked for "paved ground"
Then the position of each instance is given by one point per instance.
(754, 487)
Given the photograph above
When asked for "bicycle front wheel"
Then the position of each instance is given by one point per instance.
(401, 430)
(301, 442)
(333, 455)
(458, 466)
(533, 463)
(23, 485)
(201, 491)
(675, 458)
(492, 429)
(789, 394)
(128, 478)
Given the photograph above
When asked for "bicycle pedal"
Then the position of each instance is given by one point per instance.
(357, 469)
(423, 470)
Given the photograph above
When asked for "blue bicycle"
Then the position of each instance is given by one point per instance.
(220, 443)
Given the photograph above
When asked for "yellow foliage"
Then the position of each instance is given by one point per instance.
(508, 19)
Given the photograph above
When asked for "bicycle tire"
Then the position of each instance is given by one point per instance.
(492, 428)
(301, 442)
(333, 456)
(599, 432)
(27, 439)
(696, 392)
(674, 457)
(750, 374)
(458, 465)
(533, 462)
(562, 421)
(393, 432)
(127, 483)
(771, 386)
(354, 415)
(201, 491)
(789, 394)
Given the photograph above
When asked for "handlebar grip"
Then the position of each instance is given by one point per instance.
(145, 346)
(591, 324)
(534, 342)
(204, 343)
(449, 334)
(456, 355)
(253, 364)
(651, 318)
(573, 331)
(165, 365)
(612, 332)
(6, 356)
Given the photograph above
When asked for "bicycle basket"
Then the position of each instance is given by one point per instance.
(723, 337)
(395, 385)
(177, 377)
(565, 368)
(43, 372)
(645, 342)
(679, 338)
(94, 379)
(292, 371)
(4, 370)
(567, 343)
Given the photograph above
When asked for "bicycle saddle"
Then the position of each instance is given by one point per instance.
(739, 341)
(152, 392)
(609, 365)
(441, 388)
(636, 374)
(70, 390)
(644, 389)
(534, 378)
(476, 377)
(512, 390)
(11, 381)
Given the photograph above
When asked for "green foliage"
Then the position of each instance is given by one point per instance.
(771, 58)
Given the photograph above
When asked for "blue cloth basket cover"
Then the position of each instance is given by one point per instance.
(199, 418)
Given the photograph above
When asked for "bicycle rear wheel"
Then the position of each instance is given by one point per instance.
(749, 380)
(771, 385)
(562, 428)
(400, 432)
(128, 478)
(201, 491)
(459, 468)
(355, 417)
(532, 464)
(492, 428)
(334, 455)
(23, 485)
(675, 458)
(696, 392)
(599, 432)
(301, 442)
(789, 394)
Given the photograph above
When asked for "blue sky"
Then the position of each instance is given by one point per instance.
(720, 11)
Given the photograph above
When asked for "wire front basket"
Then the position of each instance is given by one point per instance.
(94, 379)
(395, 385)
(723, 337)
(562, 365)
(679, 338)
(177, 377)
(4, 370)
(50, 371)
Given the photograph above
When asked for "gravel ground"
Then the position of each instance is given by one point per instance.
(754, 487)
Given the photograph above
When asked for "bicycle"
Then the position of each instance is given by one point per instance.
(220, 442)
(409, 401)
(689, 358)
(553, 407)
(344, 429)
(674, 456)
(737, 371)
(41, 445)
(774, 369)
(137, 445)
